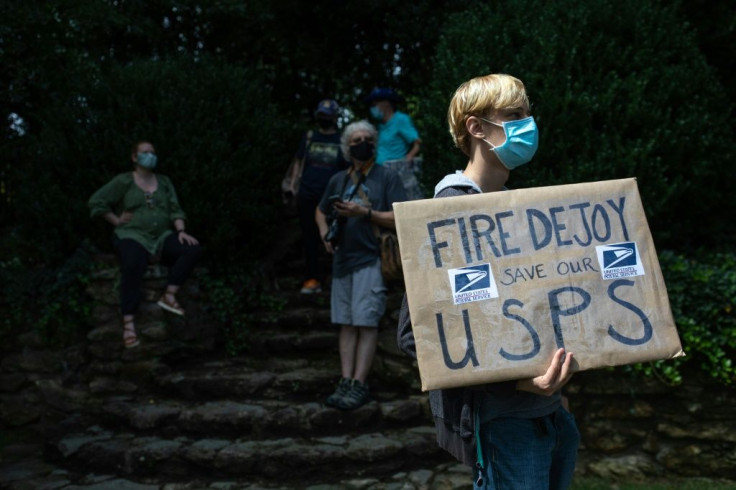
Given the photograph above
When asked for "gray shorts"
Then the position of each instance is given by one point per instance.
(359, 298)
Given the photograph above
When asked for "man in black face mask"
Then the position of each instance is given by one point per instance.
(317, 159)
(360, 199)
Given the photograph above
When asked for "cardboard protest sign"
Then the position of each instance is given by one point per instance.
(497, 282)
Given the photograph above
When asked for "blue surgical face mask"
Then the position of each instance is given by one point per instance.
(522, 140)
(377, 113)
(147, 160)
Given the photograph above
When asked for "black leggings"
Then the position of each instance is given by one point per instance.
(310, 236)
(179, 257)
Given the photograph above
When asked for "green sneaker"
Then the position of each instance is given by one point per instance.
(342, 389)
(356, 397)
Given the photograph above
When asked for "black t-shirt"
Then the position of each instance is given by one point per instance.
(323, 160)
(358, 245)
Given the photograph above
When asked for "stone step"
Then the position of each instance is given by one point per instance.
(299, 341)
(298, 308)
(290, 462)
(159, 340)
(295, 380)
(304, 330)
(289, 373)
(275, 378)
(33, 473)
(301, 379)
(259, 419)
(299, 316)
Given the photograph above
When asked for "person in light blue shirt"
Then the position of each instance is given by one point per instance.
(398, 139)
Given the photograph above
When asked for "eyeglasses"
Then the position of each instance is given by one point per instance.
(359, 140)
(149, 199)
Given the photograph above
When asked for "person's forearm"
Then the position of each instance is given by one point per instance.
(321, 220)
(384, 219)
(179, 224)
(413, 151)
(111, 218)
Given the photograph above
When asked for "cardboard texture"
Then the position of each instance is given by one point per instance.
(497, 282)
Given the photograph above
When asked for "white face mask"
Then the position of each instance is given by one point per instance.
(522, 140)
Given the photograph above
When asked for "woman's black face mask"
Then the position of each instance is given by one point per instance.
(325, 123)
(363, 151)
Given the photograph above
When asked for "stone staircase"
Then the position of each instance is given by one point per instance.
(179, 413)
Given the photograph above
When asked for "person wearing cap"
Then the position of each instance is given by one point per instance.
(398, 139)
(317, 159)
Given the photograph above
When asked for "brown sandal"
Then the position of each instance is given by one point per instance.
(130, 338)
(171, 306)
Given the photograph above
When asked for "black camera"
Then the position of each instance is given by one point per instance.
(334, 222)
(334, 232)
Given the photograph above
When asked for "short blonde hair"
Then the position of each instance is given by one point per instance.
(347, 135)
(480, 97)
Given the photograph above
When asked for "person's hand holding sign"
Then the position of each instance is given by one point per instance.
(557, 376)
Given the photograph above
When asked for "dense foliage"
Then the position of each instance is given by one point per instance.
(224, 88)
(619, 89)
(239, 302)
(221, 88)
(225, 192)
(50, 304)
(702, 294)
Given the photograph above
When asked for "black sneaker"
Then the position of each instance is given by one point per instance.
(342, 389)
(356, 397)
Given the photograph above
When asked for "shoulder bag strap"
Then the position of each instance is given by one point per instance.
(364, 197)
(306, 151)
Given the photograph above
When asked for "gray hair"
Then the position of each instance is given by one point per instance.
(347, 135)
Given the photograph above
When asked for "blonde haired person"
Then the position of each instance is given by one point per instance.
(515, 434)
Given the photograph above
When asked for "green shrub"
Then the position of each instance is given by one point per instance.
(233, 296)
(591, 483)
(216, 133)
(702, 293)
(618, 89)
(50, 301)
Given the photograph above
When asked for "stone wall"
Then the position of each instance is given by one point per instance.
(36, 381)
(643, 428)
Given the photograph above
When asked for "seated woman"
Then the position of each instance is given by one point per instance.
(149, 226)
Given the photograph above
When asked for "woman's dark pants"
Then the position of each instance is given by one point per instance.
(179, 257)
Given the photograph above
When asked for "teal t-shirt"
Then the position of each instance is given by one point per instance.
(395, 138)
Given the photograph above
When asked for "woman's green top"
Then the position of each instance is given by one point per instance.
(153, 216)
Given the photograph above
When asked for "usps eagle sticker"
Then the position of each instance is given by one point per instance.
(474, 283)
(619, 260)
